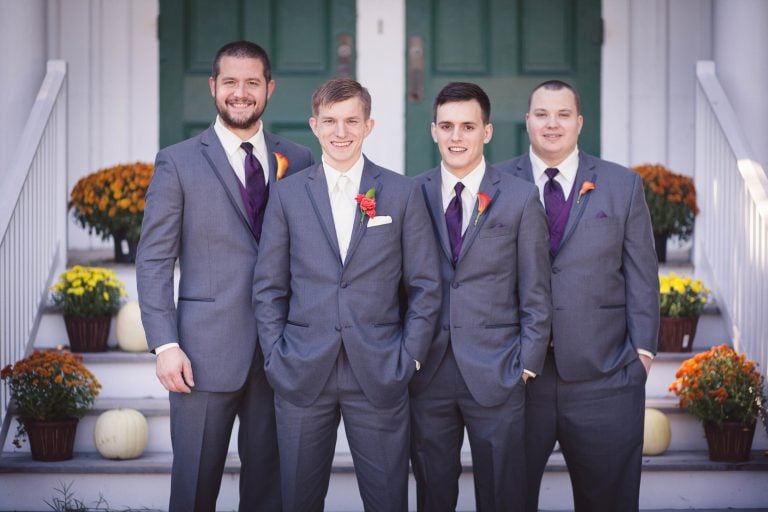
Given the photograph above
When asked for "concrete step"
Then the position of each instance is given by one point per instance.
(698, 483)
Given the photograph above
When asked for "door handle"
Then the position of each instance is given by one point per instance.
(415, 68)
(344, 55)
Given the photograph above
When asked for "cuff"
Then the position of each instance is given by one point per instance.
(165, 347)
(644, 352)
(530, 373)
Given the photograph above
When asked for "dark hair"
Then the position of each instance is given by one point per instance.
(463, 91)
(242, 50)
(556, 85)
(341, 89)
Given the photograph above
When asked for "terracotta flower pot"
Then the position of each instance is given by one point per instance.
(87, 334)
(676, 333)
(51, 440)
(731, 443)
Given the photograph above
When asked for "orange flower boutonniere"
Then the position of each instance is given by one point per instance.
(585, 188)
(282, 165)
(367, 204)
(483, 200)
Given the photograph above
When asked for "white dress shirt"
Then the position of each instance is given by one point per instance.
(236, 154)
(468, 196)
(342, 189)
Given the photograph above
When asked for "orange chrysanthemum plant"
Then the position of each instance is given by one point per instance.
(671, 200)
(50, 385)
(110, 202)
(721, 385)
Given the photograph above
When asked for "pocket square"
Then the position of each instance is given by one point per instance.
(379, 220)
(600, 215)
(498, 225)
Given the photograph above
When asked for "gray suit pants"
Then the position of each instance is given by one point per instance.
(378, 439)
(599, 425)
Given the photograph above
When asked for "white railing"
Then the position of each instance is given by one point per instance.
(732, 228)
(33, 222)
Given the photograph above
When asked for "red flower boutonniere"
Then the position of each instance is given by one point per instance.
(585, 188)
(367, 204)
(282, 165)
(483, 200)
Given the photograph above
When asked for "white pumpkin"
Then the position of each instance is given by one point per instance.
(129, 330)
(657, 433)
(121, 434)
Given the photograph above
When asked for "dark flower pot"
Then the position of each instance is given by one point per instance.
(731, 443)
(661, 246)
(676, 333)
(51, 440)
(87, 334)
(125, 250)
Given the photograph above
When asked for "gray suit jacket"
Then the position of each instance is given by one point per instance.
(605, 281)
(382, 303)
(497, 308)
(195, 213)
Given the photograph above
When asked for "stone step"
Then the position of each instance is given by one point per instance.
(698, 483)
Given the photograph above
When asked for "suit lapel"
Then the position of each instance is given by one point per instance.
(433, 195)
(584, 172)
(489, 185)
(524, 169)
(214, 154)
(317, 189)
(369, 179)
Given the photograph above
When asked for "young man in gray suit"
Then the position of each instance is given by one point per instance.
(347, 293)
(605, 288)
(204, 208)
(495, 316)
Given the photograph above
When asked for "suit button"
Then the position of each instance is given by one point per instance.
(338, 328)
(344, 284)
(456, 285)
(555, 270)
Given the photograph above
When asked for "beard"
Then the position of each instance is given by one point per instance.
(240, 122)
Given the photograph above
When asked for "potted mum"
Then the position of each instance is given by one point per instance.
(52, 390)
(671, 200)
(88, 297)
(725, 391)
(681, 302)
(110, 202)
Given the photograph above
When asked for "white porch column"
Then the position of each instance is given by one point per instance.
(741, 58)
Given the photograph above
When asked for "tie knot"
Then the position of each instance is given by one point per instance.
(458, 188)
(248, 147)
(551, 173)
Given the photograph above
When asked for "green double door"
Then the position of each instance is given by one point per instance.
(308, 41)
(506, 46)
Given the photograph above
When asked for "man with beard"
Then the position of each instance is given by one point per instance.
(205, 208)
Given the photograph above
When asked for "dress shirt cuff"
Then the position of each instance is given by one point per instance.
(530, 373)
(418, 364)
(165, 347)
(643, 352)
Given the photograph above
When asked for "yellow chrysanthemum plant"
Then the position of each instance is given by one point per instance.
(682, 296)
(88, 292)
(50, 385)
(110, 202)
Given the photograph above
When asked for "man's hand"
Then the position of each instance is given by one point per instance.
(174, 369)
(646, 362)
(526, 377)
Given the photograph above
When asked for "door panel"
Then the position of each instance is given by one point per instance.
(191, 31)
(507, 47)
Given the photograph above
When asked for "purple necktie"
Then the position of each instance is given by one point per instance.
(255, 187)
(554, 199)
(453, 219)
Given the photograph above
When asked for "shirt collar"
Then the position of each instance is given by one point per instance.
(567, 167)
(231, 142)
(355, 174)
(471, 181)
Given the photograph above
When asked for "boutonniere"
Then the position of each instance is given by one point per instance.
(282, 165)
(483, 200)
(367, 204)
(585, 188)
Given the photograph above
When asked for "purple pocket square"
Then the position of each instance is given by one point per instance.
(496, 226)
(600, 215)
